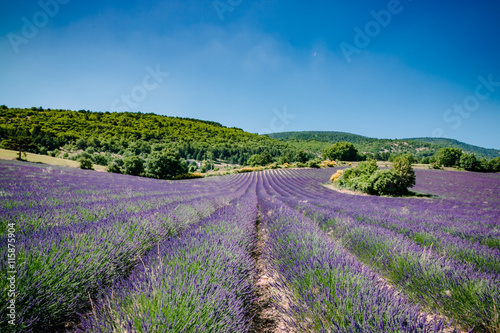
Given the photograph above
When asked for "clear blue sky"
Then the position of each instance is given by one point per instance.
(383, 69)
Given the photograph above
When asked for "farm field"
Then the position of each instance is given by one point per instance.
(269, 251)
(6, 154)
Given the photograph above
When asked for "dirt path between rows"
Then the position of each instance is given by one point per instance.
(266, 318)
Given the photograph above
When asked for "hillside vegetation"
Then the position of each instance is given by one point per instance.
(126, 133)
(166, 147)
(381, 149)
(452, 143)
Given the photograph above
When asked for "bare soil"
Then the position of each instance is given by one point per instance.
(266, 318)
(342, 190)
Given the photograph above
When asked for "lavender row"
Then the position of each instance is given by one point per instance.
(59, 268)
(456, 289)
(74, 207)
(448, 206)
(328, 290)
(55, 274)
(470, 251)
(199, 282)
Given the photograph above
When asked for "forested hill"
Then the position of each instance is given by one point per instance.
(445, 142)
(420, 147)
(119, 132)
(323, 136)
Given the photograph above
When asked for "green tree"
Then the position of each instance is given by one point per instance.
(165, 165)
(425, 160)
(469, 162)
(341, 151)
(495, 164)
(114, 168)
(449, 157)
(81, 144)
(266, 158)
(301, 156)
(386, 182)
(484, 165)
(133, 165)
(86, 163)
(254, 160)
(260, 159)
(401, 166)
(410, 158)
(22, 144)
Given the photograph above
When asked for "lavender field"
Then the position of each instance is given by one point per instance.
(270, 251)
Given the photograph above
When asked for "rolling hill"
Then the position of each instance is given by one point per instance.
(126, 133)
(113, 135)
(316, 141)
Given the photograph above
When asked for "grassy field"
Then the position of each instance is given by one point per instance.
(6, 154)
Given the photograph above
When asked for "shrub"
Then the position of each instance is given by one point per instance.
(367, 177)
(425, 160)
(165, 165)
(469, 162)
(260, 159)
(495, 164)
(314, 163)
(336, 176)
(357, 178)
(273, 166)
(284, 159)
(86, 163)
(190, 175)
(449, 157)
(484, 165)
(99, 159)
(387, 182)
(435, 166)
(133, 165)
(247, 169)
(114, 168)
(54, 153)
(342, 151)
(328, 163)
(402, 167)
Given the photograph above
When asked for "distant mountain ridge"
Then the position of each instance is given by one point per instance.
(318, 140)
(445, 142)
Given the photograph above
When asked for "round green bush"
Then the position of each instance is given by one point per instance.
(86, 163)
(387, 182)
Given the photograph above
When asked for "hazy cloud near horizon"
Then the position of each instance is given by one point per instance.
(384, 69)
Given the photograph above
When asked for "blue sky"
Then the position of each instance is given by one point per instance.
(386, 69)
